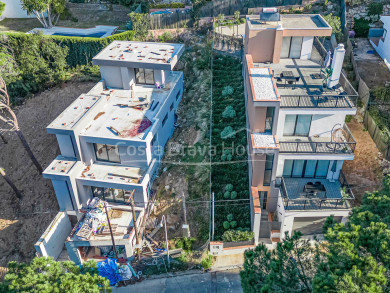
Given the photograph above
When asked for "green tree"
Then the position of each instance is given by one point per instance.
(46, 11)
(237, 19)
(2, 7)
(221, 20)
(335, 23)
(288, 268)
(140, 25)
(46, 275)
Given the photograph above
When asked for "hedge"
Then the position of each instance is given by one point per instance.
(81, 50)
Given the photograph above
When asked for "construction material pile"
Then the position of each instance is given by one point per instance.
(94, 220)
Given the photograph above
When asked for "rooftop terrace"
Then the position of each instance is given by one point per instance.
(291, 21)
(140, 55)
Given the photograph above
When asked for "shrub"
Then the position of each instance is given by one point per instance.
(226, 225)
(229, 112)
(335, 23)
(348, 118)
(226, 194)
(229, 217)
(227, 91)
(375, 9)
(361, 28)
(229, 187)
(228, 132)
(233, 194)
(167, 5)
(382, 94)
(233, 224)
(185, 243)
(165, 37)
(237, 235)
(207, 262)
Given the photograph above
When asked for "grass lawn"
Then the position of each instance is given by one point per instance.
(19, 24)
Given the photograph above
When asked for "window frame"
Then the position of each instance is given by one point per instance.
(295, 124)
(143, 72)
(105, 147)
(268, 170)
(164, 120)
(304, 170)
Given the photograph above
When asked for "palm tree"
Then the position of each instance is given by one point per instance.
(221, 19)
(10, 183)
(8, 117)
(237, 19)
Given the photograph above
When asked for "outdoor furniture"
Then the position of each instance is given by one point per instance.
(312, 190)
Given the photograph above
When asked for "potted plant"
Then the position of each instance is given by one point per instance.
(327, 73)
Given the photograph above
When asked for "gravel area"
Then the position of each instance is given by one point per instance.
(262, 84)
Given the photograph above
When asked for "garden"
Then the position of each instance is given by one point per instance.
(229, 171)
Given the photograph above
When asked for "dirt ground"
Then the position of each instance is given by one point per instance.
(370, 66)
(20, 230)
(364, 173)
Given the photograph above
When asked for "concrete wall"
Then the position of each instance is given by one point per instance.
(66, 145)
(51, 243)
(307, 46)
(260, 44)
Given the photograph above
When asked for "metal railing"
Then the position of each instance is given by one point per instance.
(321, 201)
(346, 147)
(318, 101)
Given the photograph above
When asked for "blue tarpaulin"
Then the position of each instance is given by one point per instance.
(109, 270)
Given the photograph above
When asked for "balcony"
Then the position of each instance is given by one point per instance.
(341, 143)
(334, 195)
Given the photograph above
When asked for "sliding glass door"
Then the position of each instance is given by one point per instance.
(297, 125)
(291, 47)
(306, 168)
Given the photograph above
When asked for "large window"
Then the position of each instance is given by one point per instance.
(107, 153)
(306, 168)
(291, 47)
(269, 162)
(269, 119)
(297, 125)
(112, 194)
(144, 76)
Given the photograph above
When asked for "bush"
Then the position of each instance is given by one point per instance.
(361, 28)
(375, 9)
(227, 91)
(167, 5)
(229, 112)
(165, 37)
(185, 243)
(382, 94)
(226, 194)
(229, 217)
(233, 224)
(228, 132)
(2, 7)
(226, 225)
(348, 118)
(237, 235)
(229, 187)
(207, 262)
(233, 195)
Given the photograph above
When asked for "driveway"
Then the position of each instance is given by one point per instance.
(214, 282)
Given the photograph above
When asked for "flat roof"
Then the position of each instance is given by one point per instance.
(263, 84)
(292, 21)
(113, 174)
(264, 141)
(117, 113)
(60, 166)
(75, 112)
(140, 55)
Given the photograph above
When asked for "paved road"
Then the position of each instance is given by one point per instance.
(215, 282)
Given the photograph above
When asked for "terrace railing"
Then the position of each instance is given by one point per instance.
(346, 147)
(318, 101)
(322, 201)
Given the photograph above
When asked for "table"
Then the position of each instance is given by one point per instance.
(313, 189)
(288, 75)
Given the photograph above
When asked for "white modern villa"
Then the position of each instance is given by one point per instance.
(298, 140)
(380, 41)
(111, 140)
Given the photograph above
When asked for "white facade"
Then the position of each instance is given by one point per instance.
(112, 138)
(383, 45)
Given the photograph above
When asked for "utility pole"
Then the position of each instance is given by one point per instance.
(109, 226)
(212, 218)
(185, 226)
(135, 225)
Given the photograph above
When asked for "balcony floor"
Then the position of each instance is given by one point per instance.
(313, 144)
(298, 201)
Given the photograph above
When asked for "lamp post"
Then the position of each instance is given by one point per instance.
(166, 238)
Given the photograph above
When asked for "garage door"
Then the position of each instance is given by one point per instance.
(311, 225)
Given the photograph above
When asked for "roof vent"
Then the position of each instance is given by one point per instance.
(269, 14)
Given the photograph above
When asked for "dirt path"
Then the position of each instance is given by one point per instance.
(20, 230)
(364, 173)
